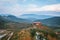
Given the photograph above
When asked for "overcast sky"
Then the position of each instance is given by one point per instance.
(18, 7)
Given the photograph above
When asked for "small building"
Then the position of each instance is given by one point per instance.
(37, 25)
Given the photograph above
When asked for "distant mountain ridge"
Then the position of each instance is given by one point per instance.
(12, 22)
(35, 16)
(50, 21)
(14, 18)
(54, 21)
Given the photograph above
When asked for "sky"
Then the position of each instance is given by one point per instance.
(19, 7)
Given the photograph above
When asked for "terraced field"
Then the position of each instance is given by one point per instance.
(25, 34)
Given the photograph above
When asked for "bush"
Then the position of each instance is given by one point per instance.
(52, 34)
(32, 32)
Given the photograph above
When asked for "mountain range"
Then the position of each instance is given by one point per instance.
(29, 18)
(54, 21)
(13, 18)
(12, 22)
(34, 16)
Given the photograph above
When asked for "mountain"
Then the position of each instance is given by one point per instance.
(34, 16)
(51, 13)
(54, 21)
(14, 18)
(12, 22)
(3, 21)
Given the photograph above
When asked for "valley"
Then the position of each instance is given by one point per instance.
(14, 28)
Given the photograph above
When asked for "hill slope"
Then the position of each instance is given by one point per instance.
(13, 22)
(54, 21)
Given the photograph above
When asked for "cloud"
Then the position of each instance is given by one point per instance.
(54, 7)
(32, 8)
(14, 8)
(24, 0)
(2, 2)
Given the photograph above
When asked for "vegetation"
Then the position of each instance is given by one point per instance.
(52, 34)
(23, 31)
(2, 23)
(32, 32)
(15, 36)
